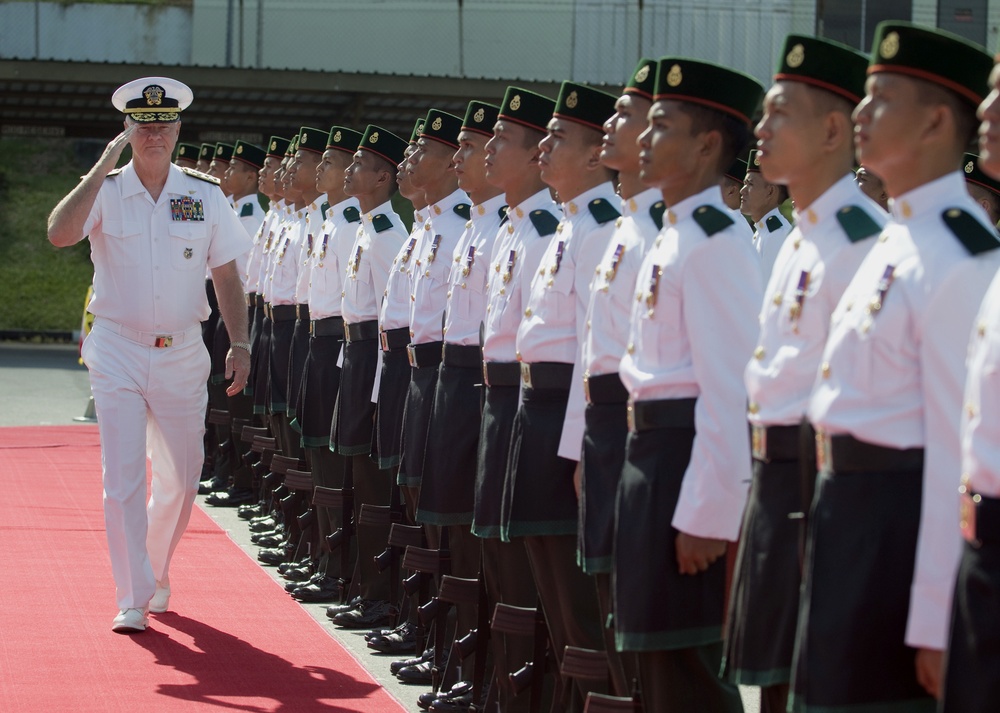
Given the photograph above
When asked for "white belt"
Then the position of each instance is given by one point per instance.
(158, 340)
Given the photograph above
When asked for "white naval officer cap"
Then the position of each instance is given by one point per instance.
(153, 99)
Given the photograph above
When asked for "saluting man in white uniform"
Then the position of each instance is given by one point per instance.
(154, 228)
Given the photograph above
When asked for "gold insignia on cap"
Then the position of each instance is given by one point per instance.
(675, 76)
(479, 115)
(182, 151)
(436, 124)
(515, 103)
(420, 128)
(239, 149)
(373, 139)
(969, 167)
(274, 145)
(154, 95)
(756, 159)
(572, 100)
(642, 74)
(304, 139)
(889, 46)
(218, 150)
(796, 56)
(337, 137)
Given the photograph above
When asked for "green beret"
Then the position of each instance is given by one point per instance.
(224, 152)
(711, 85)
(311, 139)
(526, 108)
(340, 137)
(584, 105)
(277, 146)
(753, 162)
(973, 174)
(825, 64)
(936, 56)
(207, 152)
(383, 143)
(248, 153)
(643, 79)
(480, 117)
(442, 126)
(737, 170)
(418, 128)
(188, 151)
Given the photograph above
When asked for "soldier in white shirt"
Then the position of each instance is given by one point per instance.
(371, 178)
(687, 458)
(153, 228)
(603, 345)
(816, 87)
(887, 403)
(972, 679)
(762, 200)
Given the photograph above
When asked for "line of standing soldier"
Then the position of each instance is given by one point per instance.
(553, 370)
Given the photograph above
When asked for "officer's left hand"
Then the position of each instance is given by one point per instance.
(695, 554)
(930, 665)
(238, 369)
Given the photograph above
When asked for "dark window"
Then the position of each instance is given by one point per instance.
(964, 17)
(853, 21)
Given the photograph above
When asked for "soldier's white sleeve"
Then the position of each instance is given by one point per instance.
(945, 327)
(721, 294)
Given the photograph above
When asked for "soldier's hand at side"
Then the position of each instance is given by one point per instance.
(237, 368)
(696, 554)
(930, 670)
(578, 479)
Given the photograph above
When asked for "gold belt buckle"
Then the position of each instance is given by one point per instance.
(411, 355)
(968, 502)
(163, 341)
(630, 415)
(758, 442)
(383, 339)
(267, 310)
(526, 375)
(312, 327)
(586, 386)
(824, 457)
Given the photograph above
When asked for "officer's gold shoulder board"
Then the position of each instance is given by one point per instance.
(200, 176)
(711, 219)
(974, 236)
(545, 223)
(603, 211)
(773, 223)
(246, 210)
(464, 210)
(856, 223)
(656, 212)
(381, 223)
(352, 214)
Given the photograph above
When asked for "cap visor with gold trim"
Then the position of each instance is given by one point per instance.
(383, 143)
(480, 117)
(277, 146)
(311, 139)
(643, 79)
(975, 175)
(344, 139)
(442, 127)
(935, 56)
(153, 99)
(584, 105)
(825, 64)
(526, 108)
(710, 85)
(249, 154)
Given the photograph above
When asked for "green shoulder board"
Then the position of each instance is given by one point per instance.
(200, 176)
(247, 210)
(975, 238)
(381, 223)
(773, 223)
(464, 210)
(545, 223)
(857, 224)
(656, 212)
(711, 219)
(324, 207)
(603, 211)
(352, 214)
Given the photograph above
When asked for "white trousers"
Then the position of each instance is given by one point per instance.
(151, 402)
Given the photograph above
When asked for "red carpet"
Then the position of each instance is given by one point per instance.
(233, 640)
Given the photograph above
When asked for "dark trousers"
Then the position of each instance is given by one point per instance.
(686, 680)
(372, 486)
(622, 666)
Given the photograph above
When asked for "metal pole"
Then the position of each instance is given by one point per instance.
(260, 33)
(37, 32)
(461, 41)
(229, 33)
(241, 33)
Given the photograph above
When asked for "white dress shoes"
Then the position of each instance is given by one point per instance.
(130, 621)
(161, 599)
